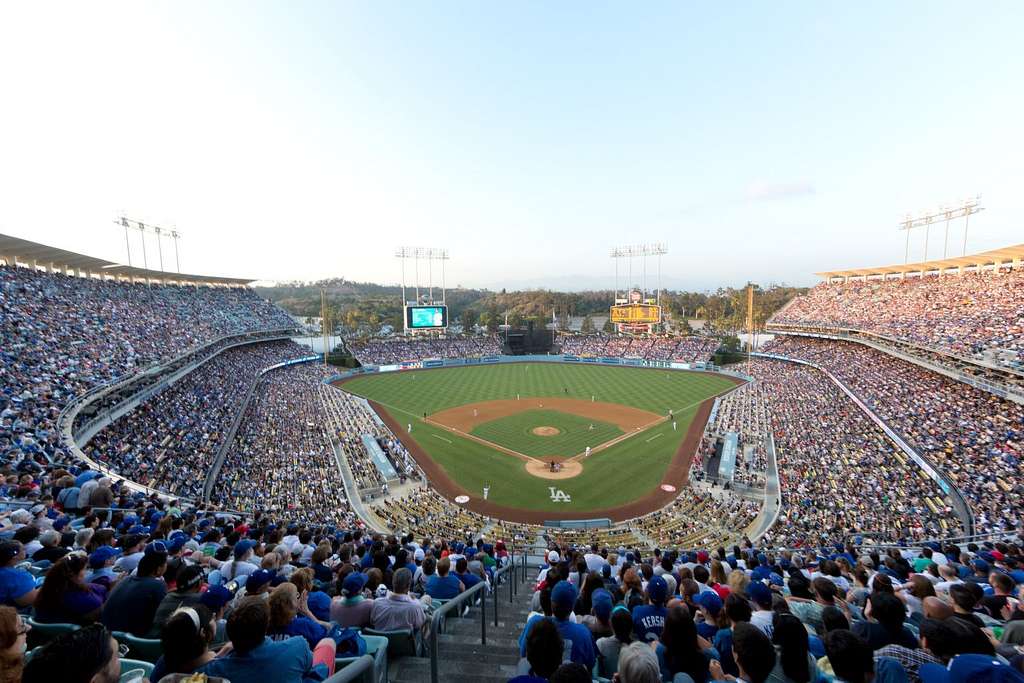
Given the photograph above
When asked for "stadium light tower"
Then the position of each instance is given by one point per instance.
(429, 254)
(964, 209)
(125, 222)
(641, 251)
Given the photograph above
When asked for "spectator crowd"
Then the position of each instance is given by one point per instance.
(689, 349)
(396, 350)
(975, 438)
(977, 314)
(281, 460)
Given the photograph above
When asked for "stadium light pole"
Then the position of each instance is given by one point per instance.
(159, 246)
(177, 263)
(142, 232)
(964, 209)
(123, 222)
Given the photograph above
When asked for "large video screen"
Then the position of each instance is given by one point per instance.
(426, 317)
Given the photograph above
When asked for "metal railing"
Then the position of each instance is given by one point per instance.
(457, 603)
(354, 671)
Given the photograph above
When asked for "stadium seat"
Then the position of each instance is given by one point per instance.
(400, 643)
(43, 633)
(146, 649)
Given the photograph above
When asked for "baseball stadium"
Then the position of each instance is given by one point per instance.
(645, 411)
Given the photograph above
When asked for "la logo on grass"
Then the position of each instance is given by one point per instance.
(559, 496)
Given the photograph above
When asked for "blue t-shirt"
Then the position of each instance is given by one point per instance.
(303, 626)
(285, 661)
(648, 622)
(526, 633)
(582, 642)
(468, 580)
(443, 588)
(14, 583)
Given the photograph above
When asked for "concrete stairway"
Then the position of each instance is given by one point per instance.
(461, 657)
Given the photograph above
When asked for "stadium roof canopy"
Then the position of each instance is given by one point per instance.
(33, 254)
(994, 258)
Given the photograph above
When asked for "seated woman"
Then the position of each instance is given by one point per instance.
(681, 650)
(65, 597)
(186, 639)
(290, 616)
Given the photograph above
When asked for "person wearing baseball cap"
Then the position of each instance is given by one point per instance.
(101, 567)
(351, 608)
(649, 618)
(563, 599)
(552, 561)
(258, 583)
(240, 566)
(599, 619)
(761, 600)
(132, 604)
(711, 610)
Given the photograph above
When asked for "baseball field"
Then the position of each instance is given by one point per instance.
(505, 427)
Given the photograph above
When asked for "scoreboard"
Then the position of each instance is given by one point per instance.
(635, 314)
(426, 317)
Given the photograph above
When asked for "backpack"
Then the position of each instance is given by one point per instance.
(350, 642)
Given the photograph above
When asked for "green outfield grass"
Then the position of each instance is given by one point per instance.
(575, 434)
(617, 475)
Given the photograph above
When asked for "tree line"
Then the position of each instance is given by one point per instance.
(364, 307)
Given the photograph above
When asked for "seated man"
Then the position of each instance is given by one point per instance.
(444, 585)
(563, 599)
(255, 657)
(399, 611)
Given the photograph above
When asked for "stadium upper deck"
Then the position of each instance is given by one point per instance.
(970, 308)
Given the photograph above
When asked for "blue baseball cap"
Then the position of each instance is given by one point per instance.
(970, 669)
(710, 601)
(156, 548)
(601, 602)
(99, 557)
(760, 593)
(563, 594)
(242, 547)
(177, 543)
(657, 589)
(353, 584)
(258, 579)
(216, 597)
(320, 605)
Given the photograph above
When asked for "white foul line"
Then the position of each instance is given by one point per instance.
(440, 437)
(654, 437)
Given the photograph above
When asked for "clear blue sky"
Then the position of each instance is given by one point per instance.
(302, 140)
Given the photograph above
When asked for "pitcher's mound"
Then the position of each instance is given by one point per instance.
(569, 469)
(546, 431)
